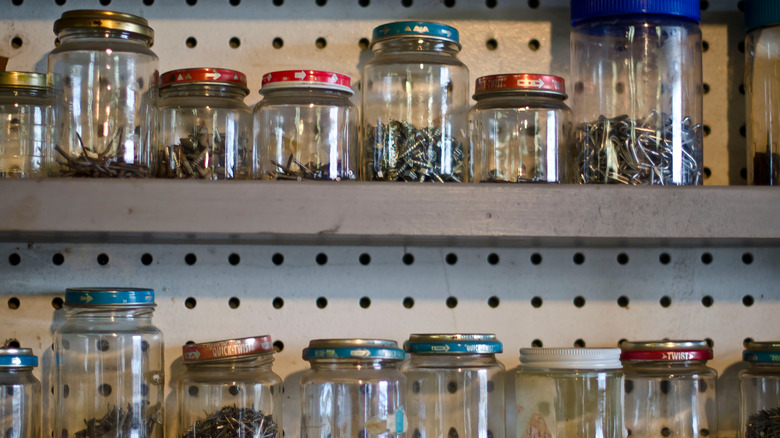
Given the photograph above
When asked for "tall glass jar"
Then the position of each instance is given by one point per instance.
(762, 93)
(520, 129)
(108, 368)
(20, 394)
(226, 382)
(26, 118)
(306, 127)
(636, 66)
(455, 386)
(415, 104)
(759, 388)
(569, 392)
(670, 390)
(105, 86)
(203, 125)
(353, 389)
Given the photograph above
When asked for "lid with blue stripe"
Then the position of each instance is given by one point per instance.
(760, 13)
(109, 296)
(453, 343)
(762, 352)
(415, 28)
(356, 349)
(585, 9)
(17, 358)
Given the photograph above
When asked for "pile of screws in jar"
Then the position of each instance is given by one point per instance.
(295, 170)
(199, 156)
(233, 422)
(121, 423)
(108, 163)
(763, 424)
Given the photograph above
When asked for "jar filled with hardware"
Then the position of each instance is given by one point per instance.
(229, 390)
(759, 388)
(455, 386)
(20, 394)
(569, 392)
(520, 129)
(353, 389)
(636, 70)
(669, 389)
(762, 95)
(104, 80)
(306, 127)
(415, 104)
(108, 366)
(203, 125)
(26, 119)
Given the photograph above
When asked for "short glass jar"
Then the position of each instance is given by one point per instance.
(455, 386)
(26, 121)
(108, 368)
(415, 105)
(20, 394)
(670, 390)
(104, 80)
(230, 382)
(520, 129)
(353, 389)
(203, 125)
(759, 389)
(569, 392)
(306, 127)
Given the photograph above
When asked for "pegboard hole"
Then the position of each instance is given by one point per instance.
(234, 302)
(408, 302)
(105, 2)
(364, 43)
(537, 343)
(104, 390)
(494, 301)
(17, 2)
(12, 343)
(278, 302)
(743, 173)
(320, 43)
(452, 302)
(491, 3)
(741, 46)
(664, 258)
(322, 302)
(16, 42)
(364, 259)
(234, 42)
(666, 301)
(705, 46)
(148, 2)
(534, 44)
(707, 172)
(406, 3)
(747, 301)
(706, 130)
(704, 4)
(622, 258)
(579, 301)
(278, 346)
(234, 259)
(102, 345)
(747, 258)
(364, 3)
(233, 390)
(536, 302)
(14, 259)
(710, 342)
(666, 431)
(491, 44)
(579, 343)
(408, 259)
(451, 258)
(58, 259)
(578, 258)
(59, 2)
(192, 2)
(278, 43)
(147, 259)
(190, 303)
(536, 258)
(278, 2)
(449, 3)
(277, 259)
(741, 89)
(191, 42)
(706, 258)
(14, 303)
(746, 341)
(705, 87)
(57, 303)
(707, 301)
(190, 259)
(102, 259)
(56, 42)
(533, 4)
(321, 259)
(493, 258)
(365, 302)
(321, 2)
(623, 301)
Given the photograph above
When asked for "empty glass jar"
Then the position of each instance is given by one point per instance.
(353, 389)
(455, 386)
(759, 387)
(20, 394)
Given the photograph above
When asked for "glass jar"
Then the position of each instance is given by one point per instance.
(230, 381)
(305, 126)
(105, 86)
(20, 394)
(520, 129)
(637, 74)
(108, 368)
(762, 95)
(759, 388)
(415, 104)
(203, 125)
(353, 389)
(670, 390)
(569, 392)
(26, 119)
(455, 385)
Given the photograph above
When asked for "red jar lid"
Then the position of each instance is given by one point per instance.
(667, 351)
(521, 82)
(214, 76)
(227, 349)
(307, 79)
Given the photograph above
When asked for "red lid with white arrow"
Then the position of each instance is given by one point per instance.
(666, 351)
(307, 79)
(227, 349)
(547, 84)
(205, 76)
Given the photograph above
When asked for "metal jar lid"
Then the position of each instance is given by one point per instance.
(425, 29)
(453, 343)
(204, 76)
(353, 349)
(11, 358)
(307, 79)
(571, 358)
(108, 296)
(762, 352)
(520, 82)
(227, 349)
(97, 19)
(665, 350)
(23, 79)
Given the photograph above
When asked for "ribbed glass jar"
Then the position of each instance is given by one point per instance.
(20, 394)
(759, 388)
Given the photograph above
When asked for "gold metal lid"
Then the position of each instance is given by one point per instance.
(23, 79)
(92, 18)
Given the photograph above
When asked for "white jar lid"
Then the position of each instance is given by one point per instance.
(571, 358)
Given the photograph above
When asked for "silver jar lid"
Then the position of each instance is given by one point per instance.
(381, 349)
(453, 343)
(13, 358)
(571, 358)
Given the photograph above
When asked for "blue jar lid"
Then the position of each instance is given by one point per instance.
(422, 28)
(759, 13)
(454, 343)
(584, 9)
(101, 296)
(353, 349)
(17, 358)
(762, 352)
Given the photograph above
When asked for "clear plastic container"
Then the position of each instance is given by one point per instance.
(353, 389)
(26, 121)
(108, 370)
(759, 387)
(520, 129)
(670, 390)
(762, 93)
(104, 79)
(455, 386)
(230, 382)
(636, 66)
(20, 394)
(306, 127)
(203, 125)
(415, 105)
(569, 392)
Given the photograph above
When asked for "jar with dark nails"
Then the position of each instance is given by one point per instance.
(759, 389)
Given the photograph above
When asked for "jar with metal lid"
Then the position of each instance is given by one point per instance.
(455, 385)
(415, 105)
(759, 388)
(669, 389)
(26, 119)
(230, 382)
(306, 127)
(636, 66)
(569, 392)
(353, 389)
(520, 129)
(203, 125)
(20, 394)
(108, 370)
(104, 80)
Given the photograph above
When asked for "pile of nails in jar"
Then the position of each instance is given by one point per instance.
(108, 378)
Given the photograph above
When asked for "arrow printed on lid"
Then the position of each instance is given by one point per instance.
(180, 77)
(213, 75)
(300, 75)
(384, 30)
(446, 32)
(421, 29)
(86, 298)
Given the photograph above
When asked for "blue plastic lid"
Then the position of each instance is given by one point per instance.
(759, 13)
(455, 343)
(423, 28)
(353, 349)
(764, 352)
(17, 358)
(99, 296)
(584, 9)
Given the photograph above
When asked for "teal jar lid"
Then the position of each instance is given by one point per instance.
(109, 296)
(416, 28)
(760, 13)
